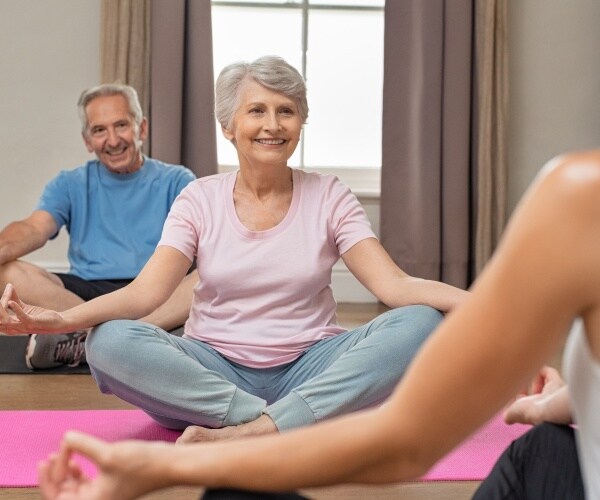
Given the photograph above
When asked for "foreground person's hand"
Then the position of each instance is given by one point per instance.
(126, 470)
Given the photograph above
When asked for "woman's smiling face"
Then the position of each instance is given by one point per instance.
(266, 126)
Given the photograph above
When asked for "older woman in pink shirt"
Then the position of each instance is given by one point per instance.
(262, 351)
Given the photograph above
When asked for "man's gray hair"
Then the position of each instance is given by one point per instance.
(271, 72)
(109, 89)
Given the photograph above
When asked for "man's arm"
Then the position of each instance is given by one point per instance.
(22, 237)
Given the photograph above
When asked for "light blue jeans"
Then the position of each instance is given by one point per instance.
(180, 382)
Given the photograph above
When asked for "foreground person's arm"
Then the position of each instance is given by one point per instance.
(517, 317)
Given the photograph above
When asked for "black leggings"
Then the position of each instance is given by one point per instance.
(225, 494)
(542, 464)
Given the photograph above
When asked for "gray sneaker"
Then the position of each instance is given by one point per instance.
(51, 351)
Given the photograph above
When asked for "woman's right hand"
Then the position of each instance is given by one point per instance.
(18, 318)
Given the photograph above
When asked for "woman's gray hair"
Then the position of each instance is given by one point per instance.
(108, 89)
(271, 72)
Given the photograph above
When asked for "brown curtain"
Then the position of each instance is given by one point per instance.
(490, 145)
(125, 45)
(429, 170)
(182, 85)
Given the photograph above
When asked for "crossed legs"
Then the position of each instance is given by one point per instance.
(182, 382)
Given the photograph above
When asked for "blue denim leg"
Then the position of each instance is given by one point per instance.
(354, 370)
(176, 381)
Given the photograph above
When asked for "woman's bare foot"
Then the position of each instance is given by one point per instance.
(197, 434)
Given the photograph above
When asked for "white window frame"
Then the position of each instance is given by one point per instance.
(365, 182)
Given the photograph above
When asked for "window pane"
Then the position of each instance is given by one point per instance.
(247, 33)
(345, 81)
(277, 2)
(359, 3)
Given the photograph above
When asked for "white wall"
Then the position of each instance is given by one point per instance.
(554, 84)
(49, 52)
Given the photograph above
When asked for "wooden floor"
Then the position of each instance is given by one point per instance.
(78, 392)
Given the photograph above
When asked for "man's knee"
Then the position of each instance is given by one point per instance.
(11, 272)
(23, 274)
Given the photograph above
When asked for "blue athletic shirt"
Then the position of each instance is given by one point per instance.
(114, 221)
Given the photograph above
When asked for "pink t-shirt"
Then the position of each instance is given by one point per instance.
(264, 297)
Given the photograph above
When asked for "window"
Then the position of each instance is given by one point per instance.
(338, 47)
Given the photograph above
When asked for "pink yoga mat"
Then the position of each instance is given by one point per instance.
(475, 457)
(26, 437)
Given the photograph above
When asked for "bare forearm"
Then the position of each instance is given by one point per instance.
(18, 239)
(409, 290)
(376, 270)
(126, 303)
(352, 449)
(150, 289)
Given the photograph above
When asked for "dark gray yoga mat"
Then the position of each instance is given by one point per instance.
(12, 359)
